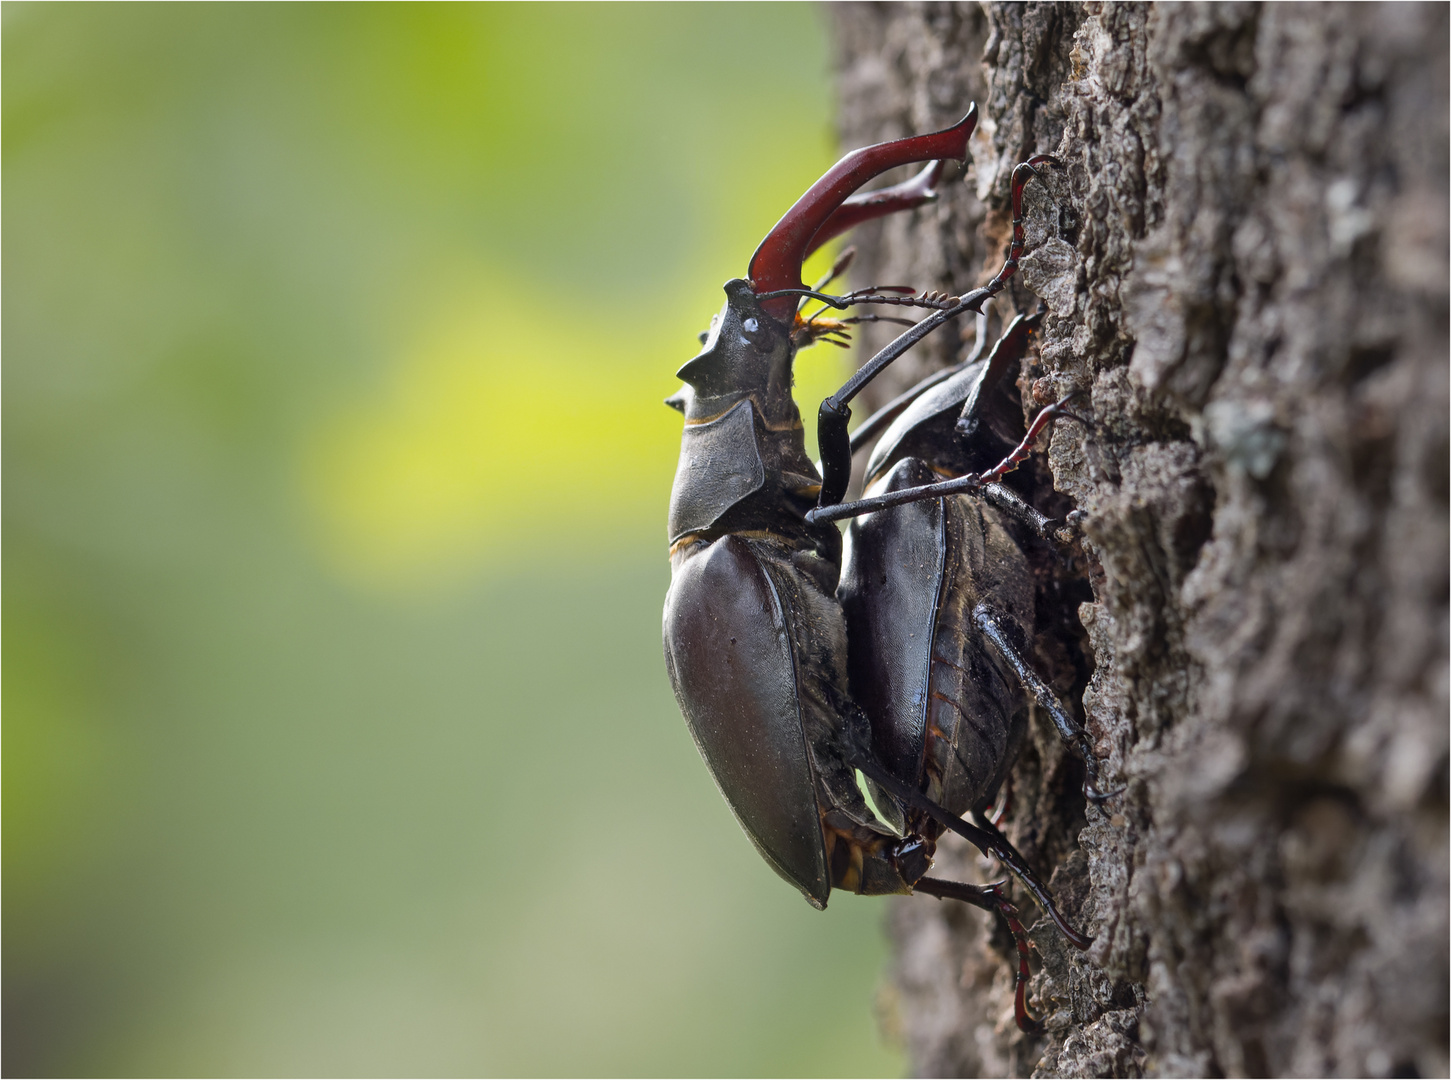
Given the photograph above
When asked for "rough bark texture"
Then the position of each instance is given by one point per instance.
(1245, 264)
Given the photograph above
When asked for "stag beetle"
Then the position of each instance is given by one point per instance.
(794, 688)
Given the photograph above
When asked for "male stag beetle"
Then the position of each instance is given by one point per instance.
(909, 675)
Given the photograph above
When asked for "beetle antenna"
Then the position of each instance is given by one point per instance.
(937, 301)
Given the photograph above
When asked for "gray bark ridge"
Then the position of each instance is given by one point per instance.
(1244, 260)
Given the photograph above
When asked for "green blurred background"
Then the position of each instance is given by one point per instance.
(337, 738)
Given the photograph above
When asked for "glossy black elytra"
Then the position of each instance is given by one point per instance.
(795, 672)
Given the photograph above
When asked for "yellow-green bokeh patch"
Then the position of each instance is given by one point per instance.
(337, 737)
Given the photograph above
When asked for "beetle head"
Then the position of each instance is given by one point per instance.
(746, 354)
(748, 350)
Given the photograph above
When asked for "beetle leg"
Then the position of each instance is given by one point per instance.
(971, 484)
(988, 841)
(987, 897)
(1007, 353)
(1021, 175)
(873, 425)
(1023, 449)
(1069, 729)
(833, 439)
(991, 898)
(962, 485)
(1059, 530)
(1062, 531)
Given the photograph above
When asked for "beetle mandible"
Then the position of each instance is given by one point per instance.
(756, 638)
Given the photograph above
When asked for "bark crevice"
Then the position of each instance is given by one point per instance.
(1244, 263)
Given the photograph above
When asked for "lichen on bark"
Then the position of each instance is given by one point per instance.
(1244, 261)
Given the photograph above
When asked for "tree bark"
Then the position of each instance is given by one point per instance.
(1244, 261)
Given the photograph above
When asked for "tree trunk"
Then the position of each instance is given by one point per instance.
(1244, 261)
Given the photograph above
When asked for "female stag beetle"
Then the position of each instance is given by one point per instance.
(908, 675)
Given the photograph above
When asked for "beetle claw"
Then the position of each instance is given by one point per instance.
(1027, 1023)
(1091, 790)
(993, 897)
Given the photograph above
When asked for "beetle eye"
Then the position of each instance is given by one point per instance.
(704, 336)
(751, 325)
